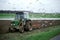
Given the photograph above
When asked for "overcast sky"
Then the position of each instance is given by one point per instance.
(31, 5)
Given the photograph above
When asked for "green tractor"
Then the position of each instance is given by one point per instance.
(21, 23)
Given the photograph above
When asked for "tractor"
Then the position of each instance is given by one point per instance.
(21, 25)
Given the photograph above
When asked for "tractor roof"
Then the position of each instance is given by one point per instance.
(9, 11)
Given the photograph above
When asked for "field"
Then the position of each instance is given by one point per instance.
(38, 34)
(5, 15)
(32, 15)
(44, 15)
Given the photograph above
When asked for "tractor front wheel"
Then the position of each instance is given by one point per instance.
(21, 30)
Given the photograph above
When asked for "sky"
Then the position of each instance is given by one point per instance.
(47, 6)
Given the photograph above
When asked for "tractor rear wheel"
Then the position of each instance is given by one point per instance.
(28, 25)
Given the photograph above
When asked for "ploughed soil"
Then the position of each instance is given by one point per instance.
(36, 24)
(44, 23)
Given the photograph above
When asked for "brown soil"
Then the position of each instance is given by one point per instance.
(36, 24)
(44, 23)
(4, 26)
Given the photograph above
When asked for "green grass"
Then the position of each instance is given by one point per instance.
(44, 15)
(32, 15)
(44, 35)
(7, 15)
(39, 34)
